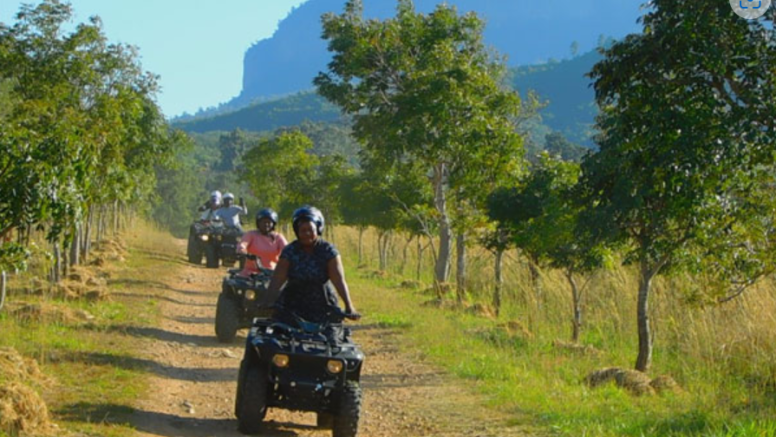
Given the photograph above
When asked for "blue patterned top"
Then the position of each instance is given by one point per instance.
(308, 290)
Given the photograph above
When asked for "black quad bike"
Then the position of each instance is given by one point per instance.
(215, 241)
(301, 366)
(225, 239)
(199, 239)
(242, 299)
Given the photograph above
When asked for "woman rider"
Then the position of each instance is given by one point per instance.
(264, 242)
(309, 267)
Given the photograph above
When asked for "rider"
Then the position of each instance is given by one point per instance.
(211, 206)
(229, 213)
(264, 242)
(309, 267)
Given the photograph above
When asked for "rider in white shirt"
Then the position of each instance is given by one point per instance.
(229, 213)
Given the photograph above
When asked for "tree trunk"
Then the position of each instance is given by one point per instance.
(499, 280)
(360, 244)
(380, 235)
(420, 260)
(387, 249)
(576, 323)
(57, 267)
(644, 359)
(460, 271)
(115, 217)
(3, 281)
(404, 255)
(442, 266)
(75, 246)
(86, 238)
(65, 262)
(536, 279)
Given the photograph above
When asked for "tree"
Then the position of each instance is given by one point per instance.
(541, 218)
(687, 115)
(557, 144)
(280, 171)
(82, 128)
(423, 87)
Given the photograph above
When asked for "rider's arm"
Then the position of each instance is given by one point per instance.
(279, 276)
(244, 243)
(337, 277)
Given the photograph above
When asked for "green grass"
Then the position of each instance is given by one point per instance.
(541, 385)
(96, 379)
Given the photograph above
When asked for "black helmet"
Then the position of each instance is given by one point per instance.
(267, 213)
(308, 213)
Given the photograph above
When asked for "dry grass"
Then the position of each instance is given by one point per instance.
(635, 382)
(22, 411)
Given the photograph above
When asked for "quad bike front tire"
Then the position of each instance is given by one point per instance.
(193, 251)
(252, 402)
(227, 319)
(348, 411)
(211, 257)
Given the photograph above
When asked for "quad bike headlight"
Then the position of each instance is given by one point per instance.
(204, 237)
(250, 294)
(334, 366)
(280, 360)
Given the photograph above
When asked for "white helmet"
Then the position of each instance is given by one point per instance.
(215, 197)
(228, 196)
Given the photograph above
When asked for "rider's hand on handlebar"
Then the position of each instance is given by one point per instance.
(352, 315)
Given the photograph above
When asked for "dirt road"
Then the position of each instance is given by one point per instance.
(192, 392)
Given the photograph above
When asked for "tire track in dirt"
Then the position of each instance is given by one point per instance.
(194, 378)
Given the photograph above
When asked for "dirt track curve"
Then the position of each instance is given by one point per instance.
(192, 392)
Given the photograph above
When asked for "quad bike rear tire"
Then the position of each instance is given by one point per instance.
(252, 402)
(211, 257)
(325, 421)
(193, 251)
(348, 411)
(227, 319)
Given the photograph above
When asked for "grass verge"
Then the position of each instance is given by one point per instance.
(537, 383)
(91, 365)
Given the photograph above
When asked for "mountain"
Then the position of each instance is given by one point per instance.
(526, 31)
(562, 85)
(571, 107)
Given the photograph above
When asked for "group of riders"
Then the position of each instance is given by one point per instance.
(308, 272)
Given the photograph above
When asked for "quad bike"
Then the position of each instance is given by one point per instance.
(200, 243)
(242, 299)
(225, 240)
(301, 366)
(215, 241)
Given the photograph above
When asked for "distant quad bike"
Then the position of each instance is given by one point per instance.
(214, 241)
(241, 300)
(301, 366)
(225, 241)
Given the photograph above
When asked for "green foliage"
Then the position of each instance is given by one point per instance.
(679, 134)
(79, 126)
(428, 87)
(423, 89)
(557, 144)
(681, 137)
(541, 218)
(280, 171)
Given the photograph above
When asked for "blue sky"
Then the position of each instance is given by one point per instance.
(196, 46)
